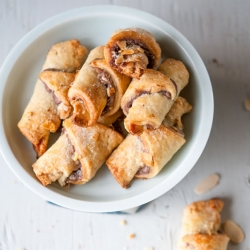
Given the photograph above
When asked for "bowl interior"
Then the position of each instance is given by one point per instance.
(94, 29)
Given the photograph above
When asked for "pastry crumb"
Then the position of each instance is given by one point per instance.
(38, 231)
(247, 104)
(123, 222)
(131, 236)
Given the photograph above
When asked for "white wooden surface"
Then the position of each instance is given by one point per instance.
(220, 32)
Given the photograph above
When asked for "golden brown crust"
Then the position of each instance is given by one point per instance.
(151, 151)
(124, 162)
(136, 50)
(56, 163)
(40, 116)
(205, 242)
(200, 225)
(68, 56)
(173, 117)
(176, 71)
(87, 95)
(157, 149)
(147, 100)
(59, 83)
(120, 83)
(202, 217)
(39, 119)
(92, 145)
(145, 155)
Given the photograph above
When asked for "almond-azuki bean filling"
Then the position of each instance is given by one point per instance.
(143, 170)
(56, 100)
(130, 43)
(130, 103)
(75, 176)
(115, 50)
(105, 78)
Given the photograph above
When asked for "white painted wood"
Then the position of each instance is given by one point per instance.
(219, 30)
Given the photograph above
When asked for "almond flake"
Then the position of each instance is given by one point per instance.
(207, 184)
(233, 231)
(247, 104)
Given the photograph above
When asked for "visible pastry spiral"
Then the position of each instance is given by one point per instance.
(131, 51)
(148, 99)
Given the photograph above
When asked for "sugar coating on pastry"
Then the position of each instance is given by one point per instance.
(41, 114)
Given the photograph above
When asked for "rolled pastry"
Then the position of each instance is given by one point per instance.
(56, 163)
(87, 95)
(115, 82)
(132, 50)
(148, 99)
(77, 154)
(200, 226)
(97, 89)
(173, 117)
(202, 217)
(58, 83)
(205, 242)
(145, 155)
(41, 114)
(92, 146)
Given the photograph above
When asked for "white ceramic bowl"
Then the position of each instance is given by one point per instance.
(93, 26)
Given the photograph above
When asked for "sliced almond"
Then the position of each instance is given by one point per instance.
(247, 104)
(207, 184)
(233, 231)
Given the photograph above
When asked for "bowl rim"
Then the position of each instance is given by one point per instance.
(202, 134)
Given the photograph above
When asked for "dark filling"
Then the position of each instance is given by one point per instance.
(57, 101)
(75, 176)
(130, 42)
(166, 93)
(107, 81)
(143, 170)
(63, 131)
(130, 103)
(174, 84)
(54, 70)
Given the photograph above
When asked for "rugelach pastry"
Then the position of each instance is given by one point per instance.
(41, 115)
(77, 154)
(97, 89)
(58, 84)
(145, 155)
(200, 226)
(131, 51)
(148, 99)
